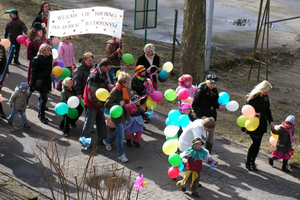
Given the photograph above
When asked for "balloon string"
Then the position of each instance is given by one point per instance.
(151, 114)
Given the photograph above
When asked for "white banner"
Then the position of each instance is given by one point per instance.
(97, 20)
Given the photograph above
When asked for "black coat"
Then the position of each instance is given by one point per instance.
(142, 60)
(3, 59)
(138, 86)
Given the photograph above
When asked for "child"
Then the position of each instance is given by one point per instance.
(186, 108)
(285, 133)
(66, 93)
(192, 157)
(185, 82)
(18, 101)
(66, 53)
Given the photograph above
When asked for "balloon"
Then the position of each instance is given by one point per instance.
(252, 124)
(248, 111)
(26, 43)
(82, 103)
(54, 54)
(102, 94)
(157, 96)
(5, 43)
(106, 111)
(181, 166)
(55, 41)
(173, 172)
(163, 74)
(58, 63)
(171, 130)
(168, 66)
(21, 39)
(127, 58)
(173, 116)
(144, 183)
(170, 146)
(174, 159)
(56, 47)
(232, 106)
(61, 108)
(66, 73)
(116, 111)
(184, 120)
(183, 94)
(150, 102)
(57, 71)
(223, 98)
(130, 108)
(118, 73)
(272, 141)
(162, 80)
(170, 95)
(241, 120)
(72, 113)
(189, 100)
(73, 102)
(110, 123)
(172, 138)
(274, 136)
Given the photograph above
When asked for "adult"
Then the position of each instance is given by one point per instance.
(94, 107)
(205, 104)
(35, 39)
(3, 61)
(150, 61)
(13, 29)
(43, 14)
(81, 74)
(114, 54)
(41, 78)
(66, 53)
(258, 98)
(196, 129)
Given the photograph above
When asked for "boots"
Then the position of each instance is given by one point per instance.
(128, 143)
(208, 146)
(285, 166)
(248, 164)
(271, 160)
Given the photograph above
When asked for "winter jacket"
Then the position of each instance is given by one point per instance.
(138, 86)
(14, 28)
(19, 99)
(81, 74)
(96, 80)
(142, 60)
(206, 102)
(41, 69)
(284, 140)
(112, 54)
(114, 98)
(38, 18)
(66, 54)
(65, 94)
(3, 59)
(33, 47)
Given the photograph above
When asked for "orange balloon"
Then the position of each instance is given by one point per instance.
(248, 111)
(5, 43)
(57, 71)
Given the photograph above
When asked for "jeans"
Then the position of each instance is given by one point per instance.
(22, 115)
(112, 74)
(92, 115)
(119, 134)
(42, 99)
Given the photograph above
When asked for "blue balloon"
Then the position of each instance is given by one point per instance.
(184, 120)
(163, 74)
(174, 116)
(55, 47)
(181, 166)
(61, 108)
(223, 98)
(106, 111)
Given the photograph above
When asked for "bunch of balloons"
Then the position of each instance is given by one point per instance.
(68, 108)
(163, 74)
(248, 119)
(177, 119)
(224, 100)
(59, 71)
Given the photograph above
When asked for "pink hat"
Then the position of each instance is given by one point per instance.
(186, 107)
(185, 78)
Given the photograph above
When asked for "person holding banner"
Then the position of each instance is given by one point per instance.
(3, 61)
(114, 54)
(43, 14)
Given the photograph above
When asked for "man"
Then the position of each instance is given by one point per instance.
(94, 107)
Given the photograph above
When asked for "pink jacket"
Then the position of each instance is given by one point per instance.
(66, 54)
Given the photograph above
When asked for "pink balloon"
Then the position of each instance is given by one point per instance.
(248, 111)
(273, 141)
(55, 41)
(183, 94)
(26, 43)
(21, 39)
(157, 96)
(173, 172)
(189, 100)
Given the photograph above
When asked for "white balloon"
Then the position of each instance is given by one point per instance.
(232, 106)
(73, 102)
(54, 53)
(171, 130)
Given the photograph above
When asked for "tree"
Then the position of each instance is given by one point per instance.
(193, 39)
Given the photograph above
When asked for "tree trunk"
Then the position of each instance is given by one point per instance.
(193, 39)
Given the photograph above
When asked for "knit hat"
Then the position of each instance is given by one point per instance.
(290, 119)
(37, 26)
(24, 86)
(186, 107)
(13, 11)
(185, 78)
(197, 140)
(139, 69)
(66, 81)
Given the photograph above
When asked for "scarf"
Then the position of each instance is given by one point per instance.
(150, 59)
(290, 131)
(142, 78)
(197, 154)
(124, 90)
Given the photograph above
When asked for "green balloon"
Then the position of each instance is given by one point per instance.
(127, 58)
(116, 111)
(174, 159)
(66, 73)
(241, 120)
(170, 95)
(82, 103)
(72, 113)
(171, 138)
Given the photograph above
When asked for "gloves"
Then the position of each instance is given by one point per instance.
(10, 105)
(119, 50)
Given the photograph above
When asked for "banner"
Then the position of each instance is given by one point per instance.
(94, 20)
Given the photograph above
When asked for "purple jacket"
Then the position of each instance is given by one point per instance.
(66, 54)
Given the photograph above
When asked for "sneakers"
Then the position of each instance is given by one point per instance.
(137, 144)
(26, 126)
(107, 146)
(9, 122)
(122, 158)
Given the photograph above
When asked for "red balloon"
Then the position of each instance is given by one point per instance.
(21, 39)
(162, 80)
(183, 94)
(130, 108)
(110, 123)
(157, 96)
(26, 43)
(173, 172)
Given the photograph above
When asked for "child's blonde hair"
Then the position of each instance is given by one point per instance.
(123, 78)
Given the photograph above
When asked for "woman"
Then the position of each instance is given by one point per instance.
(114, 54)
(205, 104)
(41, 78)
(119, 96)
(42, 15)
(259, 99)
(150, 61)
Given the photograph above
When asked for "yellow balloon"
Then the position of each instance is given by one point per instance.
(150, 102)
(102, 94)
(274, 136)
(118, 73)
(252, 124)
(57, 71)
(168, 66)
(170, 146)
(5, 43)
(144, 184)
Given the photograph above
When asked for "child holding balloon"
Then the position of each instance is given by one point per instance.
(185, 90)
(285, 133)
